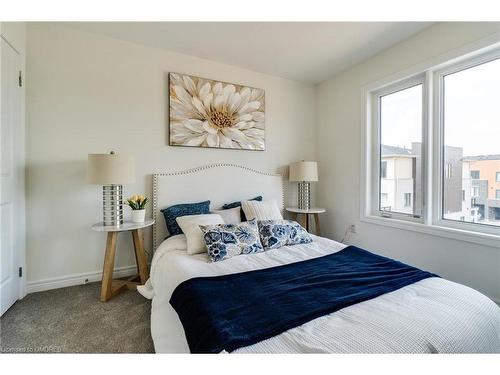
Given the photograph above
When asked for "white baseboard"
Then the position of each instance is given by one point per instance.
(76, 279)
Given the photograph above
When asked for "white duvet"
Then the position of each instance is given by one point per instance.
(431, 316)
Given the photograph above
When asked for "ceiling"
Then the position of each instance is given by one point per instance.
(309, 52)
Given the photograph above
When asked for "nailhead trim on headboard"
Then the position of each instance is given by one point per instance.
(195, 170)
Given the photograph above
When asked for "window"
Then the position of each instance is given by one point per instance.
(400, 130)
(469, 111)
(384, 198)
(383, 169)
(449, 171)
(432, 150)
(474, 175)
(407, 199)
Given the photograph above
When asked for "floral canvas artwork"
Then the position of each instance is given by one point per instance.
(207, 113)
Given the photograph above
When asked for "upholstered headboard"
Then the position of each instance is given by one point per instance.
(219, 183)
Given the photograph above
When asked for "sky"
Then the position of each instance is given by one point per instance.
(401, 117)
(471, 117)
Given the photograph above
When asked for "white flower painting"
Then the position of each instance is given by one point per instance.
(207, 113)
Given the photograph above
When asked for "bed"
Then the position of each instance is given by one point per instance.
(432, 315)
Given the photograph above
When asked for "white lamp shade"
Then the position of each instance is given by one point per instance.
(304, 171)
(110, 169)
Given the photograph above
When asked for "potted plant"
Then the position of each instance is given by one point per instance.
(138, 205)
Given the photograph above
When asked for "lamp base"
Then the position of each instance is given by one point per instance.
(112, 205)
(304, 202)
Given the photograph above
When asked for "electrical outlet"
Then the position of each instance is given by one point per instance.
(352, 228)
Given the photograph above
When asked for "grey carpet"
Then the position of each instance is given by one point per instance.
(73, 320)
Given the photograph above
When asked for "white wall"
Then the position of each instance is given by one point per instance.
(339, 140)
(89, 94)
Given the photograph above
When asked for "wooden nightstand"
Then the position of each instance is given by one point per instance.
(314, 211)
(110, 287)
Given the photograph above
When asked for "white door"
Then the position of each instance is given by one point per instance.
(12, 177)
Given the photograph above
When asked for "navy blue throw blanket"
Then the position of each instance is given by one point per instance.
(232, 311)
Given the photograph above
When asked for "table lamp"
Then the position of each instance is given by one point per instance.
(111, 171)
(304, 172)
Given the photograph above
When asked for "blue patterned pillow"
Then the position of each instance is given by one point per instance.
(224, 241)
(277, 233)
(238, 204)
(173, 212)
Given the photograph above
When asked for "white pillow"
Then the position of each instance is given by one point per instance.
(176, 242)
(230, 216)
(267, 210)
(190, 225)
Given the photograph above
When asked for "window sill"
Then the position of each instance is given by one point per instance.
(436, 230)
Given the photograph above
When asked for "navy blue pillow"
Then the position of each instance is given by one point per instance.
(173, 212)
(227, 206)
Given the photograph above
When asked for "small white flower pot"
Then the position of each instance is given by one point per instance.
(138, 216)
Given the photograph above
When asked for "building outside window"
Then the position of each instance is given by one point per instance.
(485, 190)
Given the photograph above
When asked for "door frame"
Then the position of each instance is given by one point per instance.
(14, 36)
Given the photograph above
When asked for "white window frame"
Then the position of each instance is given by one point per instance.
(438, 143)
(430, 222)
(376, 160)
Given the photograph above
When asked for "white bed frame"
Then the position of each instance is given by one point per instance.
(219, 183)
